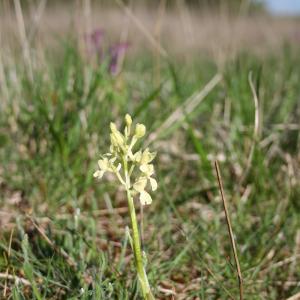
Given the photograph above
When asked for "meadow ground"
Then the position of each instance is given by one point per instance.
(63, 233)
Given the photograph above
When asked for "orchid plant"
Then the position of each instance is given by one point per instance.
(134, 170)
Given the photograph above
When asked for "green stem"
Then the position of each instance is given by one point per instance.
(142, 276)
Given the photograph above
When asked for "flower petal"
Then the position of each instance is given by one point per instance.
(137, 156)
(147, 156)
(118, 167)
(145, 198)
(140, 184)
(103, 164)
(98, 174)
(111, 149)
(153, 184)
(147, 169)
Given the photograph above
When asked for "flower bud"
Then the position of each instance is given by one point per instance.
(113, 127)
(128, 120)
(140, 130)
(117, 139)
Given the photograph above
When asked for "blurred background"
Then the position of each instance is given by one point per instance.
(182, 27)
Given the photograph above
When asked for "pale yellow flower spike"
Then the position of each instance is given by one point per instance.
(134, 170)
(137, 162)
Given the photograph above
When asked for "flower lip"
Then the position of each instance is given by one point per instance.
(145, 198)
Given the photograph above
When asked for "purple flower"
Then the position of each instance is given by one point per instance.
(116, 53)
(94, 41)
(113, 55)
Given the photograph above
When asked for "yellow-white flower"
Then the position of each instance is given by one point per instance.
(148, 171)
(139, 186)
(106, 165)
(147, 157)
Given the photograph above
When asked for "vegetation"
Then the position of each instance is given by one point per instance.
(63, 235)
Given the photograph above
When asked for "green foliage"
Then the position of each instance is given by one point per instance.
(52, 130)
